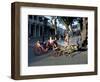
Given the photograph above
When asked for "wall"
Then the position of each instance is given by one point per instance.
(5, 40)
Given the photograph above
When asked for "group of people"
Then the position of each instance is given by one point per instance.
(51, 44)
(43, 47)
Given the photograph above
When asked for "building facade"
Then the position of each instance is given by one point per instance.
(38, 26)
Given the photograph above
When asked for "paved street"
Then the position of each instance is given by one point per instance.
(79, 57)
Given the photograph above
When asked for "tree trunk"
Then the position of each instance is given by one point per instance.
(84, 32)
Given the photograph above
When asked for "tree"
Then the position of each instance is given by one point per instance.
(54, 24)
(84, 32)
(67, 21)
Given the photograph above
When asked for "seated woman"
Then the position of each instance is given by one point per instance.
(38, 49)
(50, 43)
(55, 45)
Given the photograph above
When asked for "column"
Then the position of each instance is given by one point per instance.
(39, 30)
(34, 30)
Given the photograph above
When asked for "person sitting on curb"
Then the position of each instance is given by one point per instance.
(38, 49)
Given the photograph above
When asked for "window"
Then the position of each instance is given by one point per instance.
(35, 17)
